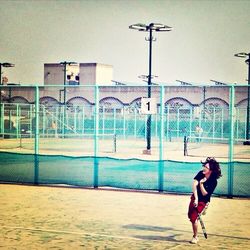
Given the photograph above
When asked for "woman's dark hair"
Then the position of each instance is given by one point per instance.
(214, 167)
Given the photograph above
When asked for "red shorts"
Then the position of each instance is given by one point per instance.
(193, 211)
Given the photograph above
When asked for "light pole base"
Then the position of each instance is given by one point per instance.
(246, 143)
(146, 151)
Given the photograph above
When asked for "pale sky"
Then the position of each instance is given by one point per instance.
(201, 46)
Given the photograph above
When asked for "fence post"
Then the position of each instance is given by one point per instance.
(103, 120)
(161, 141)
(36, 163)
(214, 110)
(124, 123)
(96, 138)
(114, 121)
(2, 107)
(168, 133)
(222, 123)
(74, 118)
(156, 124)
(190, 121)
(44, 122)
(30, 120)
(185, 153)
(135, 119)
(231, 142)
(237, 122)
(17, 121)
(114, 143)
(178, 123)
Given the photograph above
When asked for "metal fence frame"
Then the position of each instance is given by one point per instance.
(161, 132)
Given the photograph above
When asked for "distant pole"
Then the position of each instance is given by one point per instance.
(149, 120)
(64, 83)
(247, 55)
(248, 96)
(65, 63)
(157, 27)
(6, 65)
(204, 99)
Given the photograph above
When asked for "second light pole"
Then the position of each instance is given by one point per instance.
(247, 55)
(157, 27)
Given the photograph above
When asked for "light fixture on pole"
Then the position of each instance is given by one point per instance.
(247, 55)
(157, 27)
(145, 79)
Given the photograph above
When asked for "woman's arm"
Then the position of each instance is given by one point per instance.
(203, 190)
(194, 189)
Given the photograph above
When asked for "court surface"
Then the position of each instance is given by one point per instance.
(125, 149)
(72, 218)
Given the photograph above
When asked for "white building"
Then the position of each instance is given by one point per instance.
(77, 74)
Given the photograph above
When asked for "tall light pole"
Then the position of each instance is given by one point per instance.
(5, 65)
(157, 27)
(247, 55)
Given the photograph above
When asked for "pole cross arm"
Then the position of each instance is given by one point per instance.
(7, 65)
(152, 26)
(242, 54)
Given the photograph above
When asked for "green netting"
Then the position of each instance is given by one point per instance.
(169, 176)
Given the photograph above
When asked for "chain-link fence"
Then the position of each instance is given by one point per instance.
(160, 123)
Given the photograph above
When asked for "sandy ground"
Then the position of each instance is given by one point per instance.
(64, 218)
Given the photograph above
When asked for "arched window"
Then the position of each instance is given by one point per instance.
(18, 99)
(215, 106)
(178, 103)
(242, 104)
(108, 104)
(178, 106)
(134, 106)
(48, 102)
(215, 102)
(80, 104)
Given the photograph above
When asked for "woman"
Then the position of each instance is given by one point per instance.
(204, 185)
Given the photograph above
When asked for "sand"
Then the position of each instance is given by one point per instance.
(39, 217)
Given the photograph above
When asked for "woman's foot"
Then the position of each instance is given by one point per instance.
(194, 240)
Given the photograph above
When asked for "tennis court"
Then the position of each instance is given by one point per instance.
(39, 217)
(126, 148)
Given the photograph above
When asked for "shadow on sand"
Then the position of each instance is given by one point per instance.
(171, 237)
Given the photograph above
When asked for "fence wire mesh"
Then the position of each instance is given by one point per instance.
(184, 124)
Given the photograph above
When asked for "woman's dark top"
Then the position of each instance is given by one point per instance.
(210, 185)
